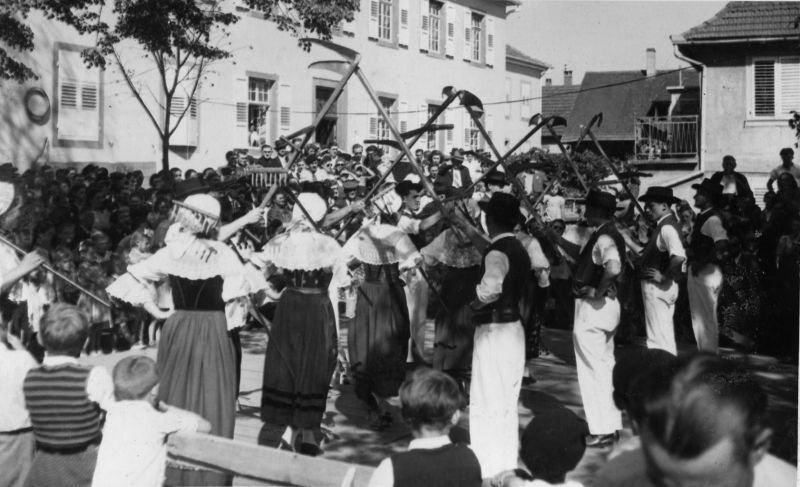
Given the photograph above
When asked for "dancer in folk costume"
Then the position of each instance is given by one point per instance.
(303, 343)
(196, 360)
(498, 359)
(378, 336)
(460, 270)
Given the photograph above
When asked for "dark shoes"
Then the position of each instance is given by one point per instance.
(600, 441)
(381, 422)
(310, 450)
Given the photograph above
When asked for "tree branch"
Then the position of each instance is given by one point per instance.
(133, 89)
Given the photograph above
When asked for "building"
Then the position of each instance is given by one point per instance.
(410, 50)
(749, 58)
(557, 100)
(523, 85)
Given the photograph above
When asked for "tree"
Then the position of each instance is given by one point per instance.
(180, 37)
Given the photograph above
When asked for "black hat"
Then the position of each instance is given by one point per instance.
(496, 178)
(601, 200)
(659, 194)
(457, 155)
(350, 185)
(405, 187)
(552, 444)
(503, 207)
(189, 187)
(709, 187)
(280, 144)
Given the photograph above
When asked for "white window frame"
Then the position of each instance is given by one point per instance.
(436, 20)
(781, 91)
(383, 131)
(386, 20)
(526, 95)
(88, 93)
(478, 30)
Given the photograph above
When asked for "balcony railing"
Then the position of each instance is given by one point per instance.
(662, 138)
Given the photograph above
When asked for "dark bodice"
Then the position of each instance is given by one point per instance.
(318, 278)
(200, 294)
(381, 273)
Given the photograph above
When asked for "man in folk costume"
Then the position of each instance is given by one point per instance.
(416, 288)
(597, 313)
(708, 244)
(661, 264)
(499, 354)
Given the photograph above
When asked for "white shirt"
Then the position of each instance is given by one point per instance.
(539, 263)
(383, 476)
(728, 184)
(14, 366)
(605, 250)
(457, 183)
(491, 285)
(134, 451)
(99, 386)
(409, 224)
(669, 241)
(553, 207)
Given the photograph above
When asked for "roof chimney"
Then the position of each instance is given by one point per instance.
(548, 82)
(651, 61)
(567, 77)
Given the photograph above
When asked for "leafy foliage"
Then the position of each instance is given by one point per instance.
(794, 123)
(307, 17)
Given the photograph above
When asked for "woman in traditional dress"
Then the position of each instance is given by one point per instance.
(378, 337)
(303, 344)
(209, 292)
(460, 262)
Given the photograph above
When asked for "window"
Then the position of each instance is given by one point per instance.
(257, 110)
(472, 135)
(775, 86)
(383, 131)
(78, 117)
(526, 94)
(477, 21)
(508, 97)
(431, 136)
(435, 27)
(385, 8)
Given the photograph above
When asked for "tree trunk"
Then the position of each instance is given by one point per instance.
(165, 152)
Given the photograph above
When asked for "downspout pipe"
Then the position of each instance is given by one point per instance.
(703, 85)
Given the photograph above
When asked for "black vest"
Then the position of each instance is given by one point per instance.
(651, 255)
(447, 466)
(507, 307)
(587, 273)
(702, 249)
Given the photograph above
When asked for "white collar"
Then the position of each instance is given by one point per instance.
(429, 443)
(53, 360)
(666, 215)
(502, 235)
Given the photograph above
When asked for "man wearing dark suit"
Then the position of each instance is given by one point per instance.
(455, 175)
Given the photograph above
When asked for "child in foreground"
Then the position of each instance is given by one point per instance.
(431, 404)
(138, 425)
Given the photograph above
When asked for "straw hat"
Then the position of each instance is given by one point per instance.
(380, 244)
(6, 196)
(314, 205)
(304, 250)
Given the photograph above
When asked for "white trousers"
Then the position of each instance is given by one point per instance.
(498, 361)
(416, 290)
(703, 290)
(596, 322)
(659, 310)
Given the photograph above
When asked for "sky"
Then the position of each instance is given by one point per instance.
(600, 35)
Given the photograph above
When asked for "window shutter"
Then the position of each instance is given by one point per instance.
(764, 87)
(79, 99)
(285, 99)
(508, 97)
(424, 25)
(465, 129)
(448, 139)
(402, 36)
(450, 35)
(373, 19)
(403, 116)
(373, 127)
(177, 106)
(790, 84)
(489, 118)
(489, 41)
(467, 35)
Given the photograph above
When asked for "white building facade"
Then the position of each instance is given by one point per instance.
(410, 50)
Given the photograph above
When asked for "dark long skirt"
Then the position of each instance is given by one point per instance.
(378, 340)
(197, 368)
(300, 360)
(452, 347)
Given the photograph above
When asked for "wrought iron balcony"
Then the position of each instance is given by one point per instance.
(667, 139)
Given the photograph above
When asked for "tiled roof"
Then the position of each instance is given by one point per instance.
(558, 100)
(514, 53)
(621, 96)
(746, 20)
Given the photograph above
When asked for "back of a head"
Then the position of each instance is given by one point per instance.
(430, 398)
(632, 370)
(552, 444)
(134, 377)
(64, 330)
(702, 401)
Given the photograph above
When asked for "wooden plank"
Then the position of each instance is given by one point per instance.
(266, 464)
